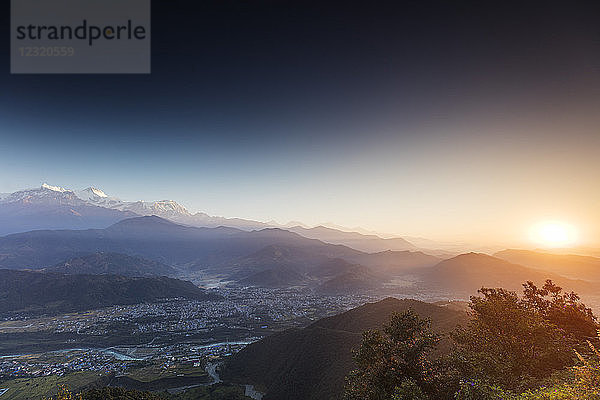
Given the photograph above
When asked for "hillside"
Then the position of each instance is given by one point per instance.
(466, 273)
(396, 262)
(568, 265)
(277, 256)
(348, 278)
(313, 256)
(39, 292)
(113, 264)
(311, 363)
(358, 241)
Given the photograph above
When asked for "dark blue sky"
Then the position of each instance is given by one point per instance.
(363, 115)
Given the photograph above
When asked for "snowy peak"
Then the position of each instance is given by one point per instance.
(163, 208)
(54, 188)
(45, 194)
(91, 194)
(96, 192)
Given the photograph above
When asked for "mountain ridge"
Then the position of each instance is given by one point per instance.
(55, 207)
(466, 273)
(569, 265)
(105, 263)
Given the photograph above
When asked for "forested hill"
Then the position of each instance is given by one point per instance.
(311, 363)
(39, 292)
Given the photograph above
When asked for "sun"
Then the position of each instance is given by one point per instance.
(553, 234)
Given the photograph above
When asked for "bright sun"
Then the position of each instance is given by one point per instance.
(553, 234)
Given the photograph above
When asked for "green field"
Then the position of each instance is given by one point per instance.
(38, 388)
(153, 372)
(47, 386)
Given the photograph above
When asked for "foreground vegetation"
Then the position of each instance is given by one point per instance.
(214, 392)
(536, 346)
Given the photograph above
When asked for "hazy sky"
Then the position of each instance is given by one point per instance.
(449, 121)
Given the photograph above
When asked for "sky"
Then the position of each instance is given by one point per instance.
(446, 120)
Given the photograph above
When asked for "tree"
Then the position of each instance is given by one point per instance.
(392, 363)
(564, 310)
(584, 385)
(514, 342)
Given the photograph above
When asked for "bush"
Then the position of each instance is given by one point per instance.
(479, 390)
(115, 393)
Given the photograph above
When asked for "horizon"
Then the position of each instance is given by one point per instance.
(537, 241)
(456, 125)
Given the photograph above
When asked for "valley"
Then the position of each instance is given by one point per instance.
(148, 303)
(169, 343)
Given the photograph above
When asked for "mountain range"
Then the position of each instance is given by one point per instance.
(269, 257)
(90, 232)
(53, 207)
(225, 251)
(367, 243)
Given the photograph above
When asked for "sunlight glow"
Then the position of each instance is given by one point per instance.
(553, 234)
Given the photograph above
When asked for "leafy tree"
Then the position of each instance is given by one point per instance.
(564, 310)
(392, 363)
(515, 341)
(508, 342)
(409, 390)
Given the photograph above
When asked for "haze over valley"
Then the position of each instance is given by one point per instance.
(143, 285)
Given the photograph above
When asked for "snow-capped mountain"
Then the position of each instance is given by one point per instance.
(97, 197)
(168, 209)
(91, 193)
(92, 196)
(55, 207)
(162, 208)
(45, 195)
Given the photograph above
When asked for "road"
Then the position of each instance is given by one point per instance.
(211, 369)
